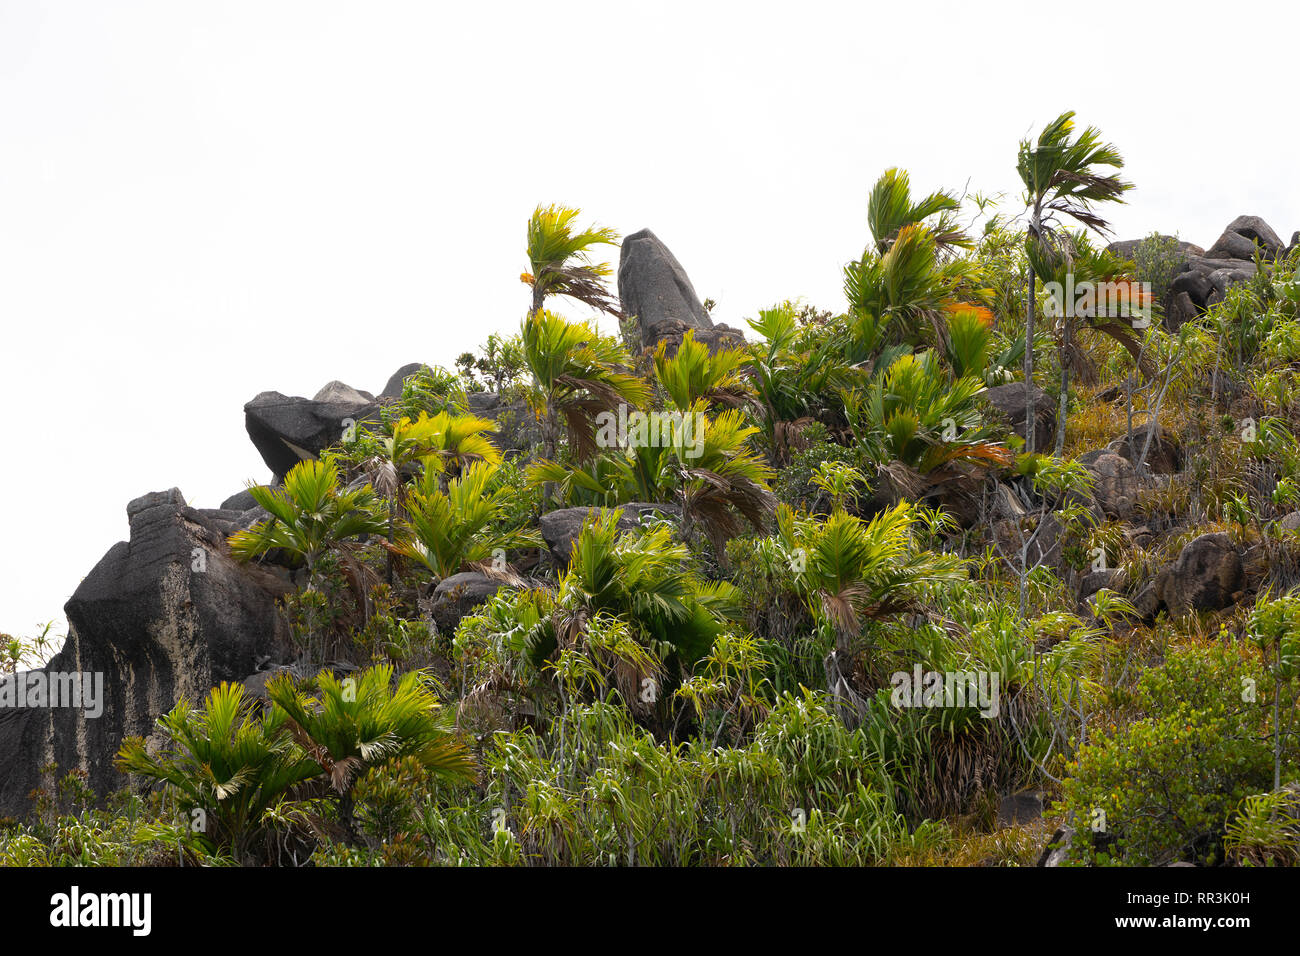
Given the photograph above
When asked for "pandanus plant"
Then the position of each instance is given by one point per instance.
(444, 444)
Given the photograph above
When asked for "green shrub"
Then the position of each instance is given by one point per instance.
(1161, 788)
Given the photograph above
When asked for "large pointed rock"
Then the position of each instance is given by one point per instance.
(166, 614)
(655, 290)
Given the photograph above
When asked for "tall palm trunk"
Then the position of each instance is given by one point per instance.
(1029, 363)
(1064, 408)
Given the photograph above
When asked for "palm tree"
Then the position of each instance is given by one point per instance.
(225, 761)
(695, 373)
(722, 483)
(911, 413)
(1079, 260)
(453, 529)
(1060, 179)
(617, 477)
(910, 284)
(791, 377)
(643, 576)
(446, 443)
(577, 373)
(560, 261)
(705, 465)
(851, 570)
(890, 209)
(311, 516)
(349, 726)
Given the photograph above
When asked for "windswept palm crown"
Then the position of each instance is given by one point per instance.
(560, 259)
(1061, 179)
(890, 209)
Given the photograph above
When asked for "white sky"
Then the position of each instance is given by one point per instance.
(201, 201)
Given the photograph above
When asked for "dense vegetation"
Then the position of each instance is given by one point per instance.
(720, 686)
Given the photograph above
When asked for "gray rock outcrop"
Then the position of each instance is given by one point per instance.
(166, 614)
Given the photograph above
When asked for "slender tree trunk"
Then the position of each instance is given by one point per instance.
(1029, 363)
(1064, 408)
(347, 817)
(388, 555)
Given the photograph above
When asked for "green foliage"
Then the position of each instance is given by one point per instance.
(428, 391)
(645, 576)
(310, 515)
(452, 530)
(1194, 719)
(852, 570)
(1266, 830)
(695, 374)
(498, 367)
(227, 765)
(577, 374)
(910, 413)
(1157, 260)
(890, 210)
(26, 653)
(346, 727)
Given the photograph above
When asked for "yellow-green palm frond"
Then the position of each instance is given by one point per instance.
(695, 373)
(559, 256)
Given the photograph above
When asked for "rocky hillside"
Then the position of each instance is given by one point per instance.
(726, 622)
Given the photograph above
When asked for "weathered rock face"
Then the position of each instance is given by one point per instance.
(560, 529)
(1116, 485)
(653, 287)
(1011, 401)
(1243, 237)
(166, 614)
(393, 388)
(1207, 576)
(287, 430)
(1164, 453)
(458, 595)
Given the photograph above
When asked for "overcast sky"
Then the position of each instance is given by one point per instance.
(202, 201)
